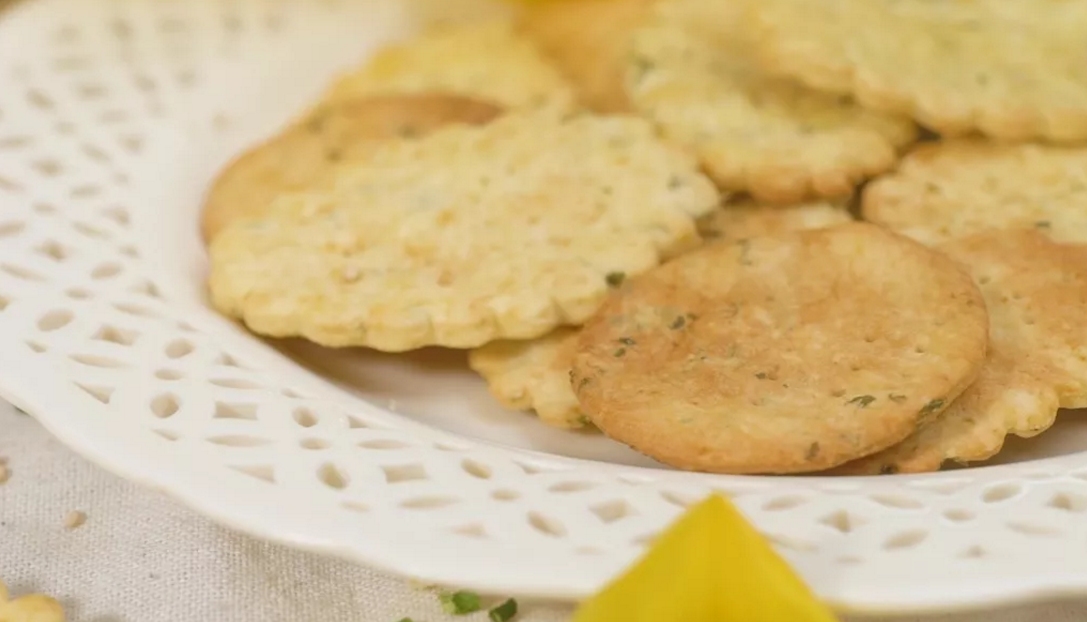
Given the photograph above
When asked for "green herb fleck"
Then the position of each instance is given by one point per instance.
(615, 279)
(642, 66)
(627, 341)
(813, 452)
(408, 131)
(504, 612)
(888, 469)
(762, 375)
(584, 381)
(932, 407)
(1043, 224)
(679, 323)
(862, 401)
(406, 620)
(897, 399)
(620, 353)
(461, 603)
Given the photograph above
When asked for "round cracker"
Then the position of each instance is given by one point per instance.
(488, 60)
(1011, 69)
(953, 189)
(305, 151)
(468, 235)
(533, 375)
(1036, 293)
(690, 72)
(782, 354)
(745, 219)
(589, 41)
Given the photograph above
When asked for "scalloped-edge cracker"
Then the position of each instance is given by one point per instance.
(948, 190)
(747, 218)
(589, 41)
(467, 235)
(1011, 69)
(299, 155)
(489, 60)
(1036, 292)
(533, 375)
(782, 354)
(690, 72)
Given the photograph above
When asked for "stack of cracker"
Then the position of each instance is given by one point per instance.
(640, 216)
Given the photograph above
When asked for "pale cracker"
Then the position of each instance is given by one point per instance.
(958, 188)
(782, 354)
(468, 235)
(1036, 292)
(488, 60)
(746, 218)
(533, 375)
(690, 73)
(589, 40)
(306, 150)
(1011, 69)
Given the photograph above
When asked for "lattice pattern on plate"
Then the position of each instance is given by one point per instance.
(103, 102)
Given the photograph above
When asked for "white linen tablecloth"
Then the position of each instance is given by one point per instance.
(141, 557)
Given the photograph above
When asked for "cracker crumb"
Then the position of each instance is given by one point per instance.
(75, 520)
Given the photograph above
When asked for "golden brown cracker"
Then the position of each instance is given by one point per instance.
(467, 235)
(589, 40)
(740, 220)
(488, 60)
(782, 354)
(691, 73)
(1036, 293)
(943, 191)
(299, 155)
(1011, 69)
(533, 375)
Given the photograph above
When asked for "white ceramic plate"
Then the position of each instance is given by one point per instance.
(114, 115)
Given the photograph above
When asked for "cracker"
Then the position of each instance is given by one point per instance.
(1011, 69)
(468, 235)
(1036, 292)
(958, 188)
(488, 60)
(782, 354)
(533, 375)
(690, 72)
(306, 150)
(750, 219)
(589, 41)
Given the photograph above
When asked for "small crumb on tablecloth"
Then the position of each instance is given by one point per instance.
(75, 520)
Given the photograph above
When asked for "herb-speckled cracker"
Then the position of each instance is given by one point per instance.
(464, 236)
(589, 40)
(690, 73)
(745, 219)
(489, 60)
(782, 354)
(958, 188)
(1036, 292)
(1013, 69)
(533, 375)
(299, 155)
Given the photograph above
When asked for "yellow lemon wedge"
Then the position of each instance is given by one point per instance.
(710, 566)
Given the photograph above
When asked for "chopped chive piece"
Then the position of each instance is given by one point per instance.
(679, 323)
(461, 603)
(615, 279)
(406, 620)
(932, 407)
(504, 612)
(862, 401)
